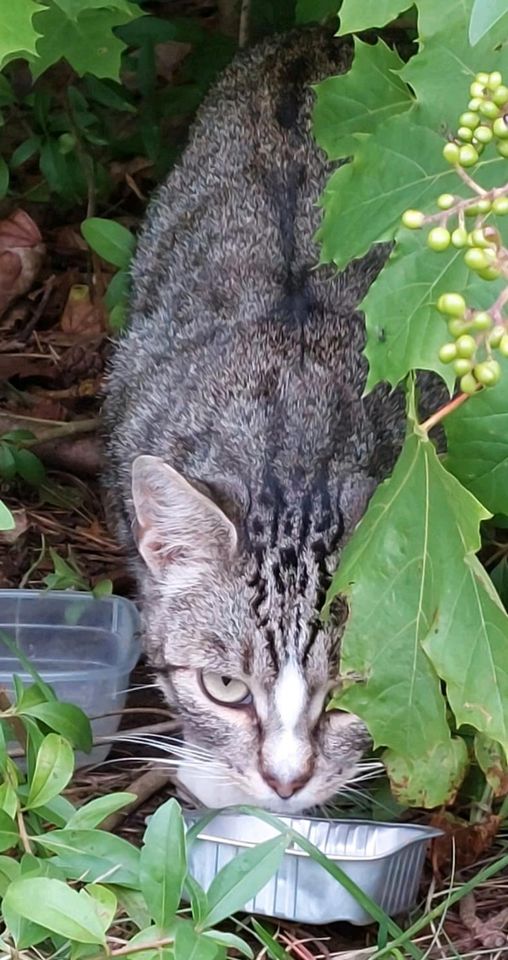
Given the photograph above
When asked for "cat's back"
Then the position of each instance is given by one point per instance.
(236, 344)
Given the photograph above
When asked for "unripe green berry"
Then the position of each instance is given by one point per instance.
(466, 346)
(495, 80)
(447, 353)
(500, 96)
(503, 346)
(451, 152)
(468, 155)
(465, 134)
(482, 320)
(445, 201)
(452, 304)
(482, 78)
(479, 239)
(488, 109)
(496, 335)
(490, 273)
(502, 148)
(474, 103)
(488, 372)
(413, 219)
(468, 383)
(477, 89)
(456, 327)
(438, 239)
(500, 206)
(483, 134)
(462, 366)
(469, 119)
(459, 237)
(476, 259)
(500, 128)
(483, 205)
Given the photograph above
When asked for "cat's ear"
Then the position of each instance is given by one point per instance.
(180, 531)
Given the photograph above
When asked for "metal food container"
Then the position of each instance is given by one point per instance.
(384, 859)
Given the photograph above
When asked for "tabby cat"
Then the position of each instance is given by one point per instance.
(241, 453)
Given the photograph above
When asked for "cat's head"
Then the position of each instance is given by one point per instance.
(232, 630)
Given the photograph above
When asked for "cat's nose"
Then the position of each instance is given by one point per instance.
(286, 788)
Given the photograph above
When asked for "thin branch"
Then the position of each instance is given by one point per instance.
(444, 411)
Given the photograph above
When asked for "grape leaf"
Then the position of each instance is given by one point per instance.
(484, 15)
(89, 42)
(420, 610)
(478, 444)
(355, 16)
(405, 330)
(17, 33)
(423, 781)
(312, 11)
(356, 102)
(73, 8)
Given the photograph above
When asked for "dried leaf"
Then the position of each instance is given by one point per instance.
(21, 524)
(81, 314)
(471, 840)
(21, 255)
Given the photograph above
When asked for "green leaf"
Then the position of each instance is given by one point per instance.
(163, 863)
(23, 932)
(492, 761)
(29, 467)
(56, 907)
(105, 903)
(27, 149)
(478, 444)
(53, 770)
(17, 33)
(110, 240)
(484, 15)
(356, 16)
(198, 899)
(108, 94)
(242, 878)
(87, 43)
(423, 781)
(133, 904)
(360, 100)
(118, 289)
(9, 871)
(445, 623)
(230, 940)
(7, 521)
(8, 799)
(91, 814)
(274, 949)
(66, 719)
(7, 462)
(9, 833)
(314, 11)
(190, 945)
(93, 855)
(73, 8)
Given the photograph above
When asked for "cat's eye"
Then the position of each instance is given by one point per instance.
(226, 690)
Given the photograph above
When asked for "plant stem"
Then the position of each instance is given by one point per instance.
(135, 948)
(444, 411)
(63, 430)
(23, 834)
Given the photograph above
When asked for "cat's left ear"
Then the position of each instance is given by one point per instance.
(180, 532)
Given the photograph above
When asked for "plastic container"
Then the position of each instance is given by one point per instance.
(85, 648)
(384, 859)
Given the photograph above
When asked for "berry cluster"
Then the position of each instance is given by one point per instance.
(471, 329)
(476, 333)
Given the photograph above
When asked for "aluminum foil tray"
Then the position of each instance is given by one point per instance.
(384, 859)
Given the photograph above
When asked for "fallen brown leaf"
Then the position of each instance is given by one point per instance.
(81, 314)
(21, 255)
(471, 840)
(21, 526)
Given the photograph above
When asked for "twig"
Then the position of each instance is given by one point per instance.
(243, 30)
(144, 787)
(63, 430)
(25, 334)
(444, 412)
(134, 948)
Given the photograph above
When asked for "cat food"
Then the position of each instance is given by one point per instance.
(384, 859)
(83, 647)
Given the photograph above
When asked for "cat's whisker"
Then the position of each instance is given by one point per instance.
(136, 687)
(161, 740)
(179, 750)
